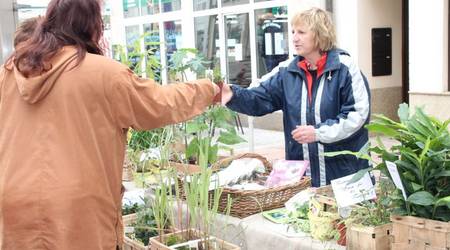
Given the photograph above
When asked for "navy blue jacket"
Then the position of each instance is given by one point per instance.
(339, 109)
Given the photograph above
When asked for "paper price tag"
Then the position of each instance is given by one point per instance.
(349, 194)
(128, 230)
(392, 168)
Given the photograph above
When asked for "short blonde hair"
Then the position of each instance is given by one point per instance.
(319, 22)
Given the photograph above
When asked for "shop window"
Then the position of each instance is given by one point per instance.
(204, 4)
(172, 35)
(150, 7)
(207, 38)
(131, 8)
(272, 41)
(29, 9)
(153, 49)
(134, 8)
(233, 2)
(170, 5)
(237, 37)
(133, 44)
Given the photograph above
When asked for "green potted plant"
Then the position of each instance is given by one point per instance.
(422, 158)
(217, 119)
(369, 226)
(195, 229)
(139, 226)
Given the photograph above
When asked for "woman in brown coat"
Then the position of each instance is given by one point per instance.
(64, 112)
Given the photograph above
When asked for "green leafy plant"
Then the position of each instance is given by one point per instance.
(202, 129)
(144, 226)
(144, 63)
(203, 205)
(298, 219)
(374, 212)
(130, 208)
(187, 59)
(422, 156)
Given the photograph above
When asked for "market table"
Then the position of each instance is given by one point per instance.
(257, 233)
(253, 232)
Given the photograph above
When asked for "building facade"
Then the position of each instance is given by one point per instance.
(401, 46)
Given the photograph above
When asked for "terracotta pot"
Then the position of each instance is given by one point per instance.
(342, 229)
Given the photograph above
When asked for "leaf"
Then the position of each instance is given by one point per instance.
(424, 151)
(379, 128)
(229, 138)
(422, 198)
(362, 154)
(444, 173)
(407, 166)
(416, 187)
(360, 174)
(212, 154)
(428, 122)
(195, 127)
(403, 112)
(192, 148)
(443, 202)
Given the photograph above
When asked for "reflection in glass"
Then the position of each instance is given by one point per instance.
(172, 35)
(152, 47)
(130, 8)
(237, 37)
(204, 4)
(271, 38)
(29, 9)
(233, 2)
(150, 7)
(207, 38)
(171, 5)
(133, 45)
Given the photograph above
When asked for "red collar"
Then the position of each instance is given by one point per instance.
(305, 65)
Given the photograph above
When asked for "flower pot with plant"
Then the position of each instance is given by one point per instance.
(195, 229)
(369, 226)
(422, 160)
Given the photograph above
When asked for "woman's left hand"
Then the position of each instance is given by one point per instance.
(304, 134)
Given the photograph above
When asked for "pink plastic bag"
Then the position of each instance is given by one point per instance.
(286, 172)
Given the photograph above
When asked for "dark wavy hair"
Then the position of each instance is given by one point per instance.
(67, 22)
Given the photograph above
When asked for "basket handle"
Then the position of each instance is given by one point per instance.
(223, 163)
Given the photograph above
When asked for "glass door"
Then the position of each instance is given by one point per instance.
(237, 44)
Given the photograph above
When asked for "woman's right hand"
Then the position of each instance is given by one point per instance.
(227, 94)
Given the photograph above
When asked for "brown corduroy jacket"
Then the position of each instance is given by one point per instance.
(62, 142)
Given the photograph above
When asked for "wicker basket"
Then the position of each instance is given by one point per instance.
(249, 202)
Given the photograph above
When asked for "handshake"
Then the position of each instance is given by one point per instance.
(222, 93)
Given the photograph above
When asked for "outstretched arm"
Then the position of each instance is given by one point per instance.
(143, 104)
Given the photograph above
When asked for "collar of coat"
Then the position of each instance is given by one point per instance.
(332, 63)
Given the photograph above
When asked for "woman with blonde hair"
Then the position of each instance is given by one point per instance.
(324, 97)
(64, 113)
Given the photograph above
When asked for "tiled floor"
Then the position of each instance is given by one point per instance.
(270, 144)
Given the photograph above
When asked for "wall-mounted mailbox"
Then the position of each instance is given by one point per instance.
(381, 51)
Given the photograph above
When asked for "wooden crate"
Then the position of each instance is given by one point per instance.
(369, 238)
(419, 234)
(128, 243)
(157, 245)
